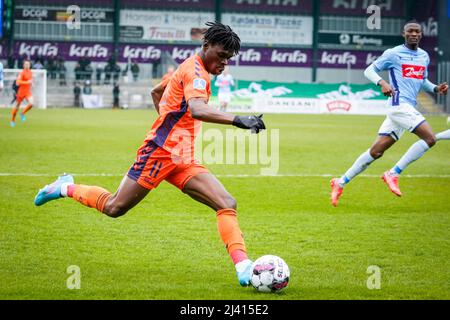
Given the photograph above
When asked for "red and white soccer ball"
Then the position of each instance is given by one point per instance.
(270, 274)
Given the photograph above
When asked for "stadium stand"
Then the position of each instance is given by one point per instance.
(307, 42)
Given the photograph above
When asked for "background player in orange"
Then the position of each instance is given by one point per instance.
(24, 81)
(168, 150)
(168, 74)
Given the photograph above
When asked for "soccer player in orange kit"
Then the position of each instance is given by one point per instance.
(168, 150)
(24, 81)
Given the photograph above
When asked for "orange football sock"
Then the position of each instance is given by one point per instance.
(90, 196)
(231, 234)
(13, 114)
(27, 108)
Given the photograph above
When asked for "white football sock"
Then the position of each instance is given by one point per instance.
(359, 166)
(240, 266)
(395, 171)
(64, 186)
(414, 152)
(444, 135)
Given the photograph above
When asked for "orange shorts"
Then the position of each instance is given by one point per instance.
(154, 164)
(21, 97)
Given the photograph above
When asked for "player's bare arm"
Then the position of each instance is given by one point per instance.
(201, 111)
(386, 88)
(372, 74)
(157, 93)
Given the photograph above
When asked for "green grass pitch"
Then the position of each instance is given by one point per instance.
(168, 247)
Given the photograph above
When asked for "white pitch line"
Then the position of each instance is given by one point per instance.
(327, 175)
(294, 175)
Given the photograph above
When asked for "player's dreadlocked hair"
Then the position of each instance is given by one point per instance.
(218, 33)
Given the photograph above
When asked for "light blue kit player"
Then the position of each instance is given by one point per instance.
(407, 65)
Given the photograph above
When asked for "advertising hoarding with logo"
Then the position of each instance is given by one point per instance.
(149, 53)
(249, 55)
(163, 25)
(318, 106)
(60, 14)
(70, 51)
(272, 29)
(279, 97)
(359, 40)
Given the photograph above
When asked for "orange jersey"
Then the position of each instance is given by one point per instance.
(24, 89)
(175, 129)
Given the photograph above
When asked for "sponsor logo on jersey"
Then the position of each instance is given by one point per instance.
(199, 84)
(412, 71)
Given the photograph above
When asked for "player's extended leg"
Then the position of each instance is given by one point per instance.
(126, 197)
(14, 111)
(27, 108)
(205, 188)
(417, 150)
(444, 135)
(377, 150)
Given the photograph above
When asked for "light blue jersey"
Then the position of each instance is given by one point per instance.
(408, 70)
(224, 82)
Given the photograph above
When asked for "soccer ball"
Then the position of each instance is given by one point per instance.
(269, 274)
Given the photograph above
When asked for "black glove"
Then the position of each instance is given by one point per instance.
(254, 123)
